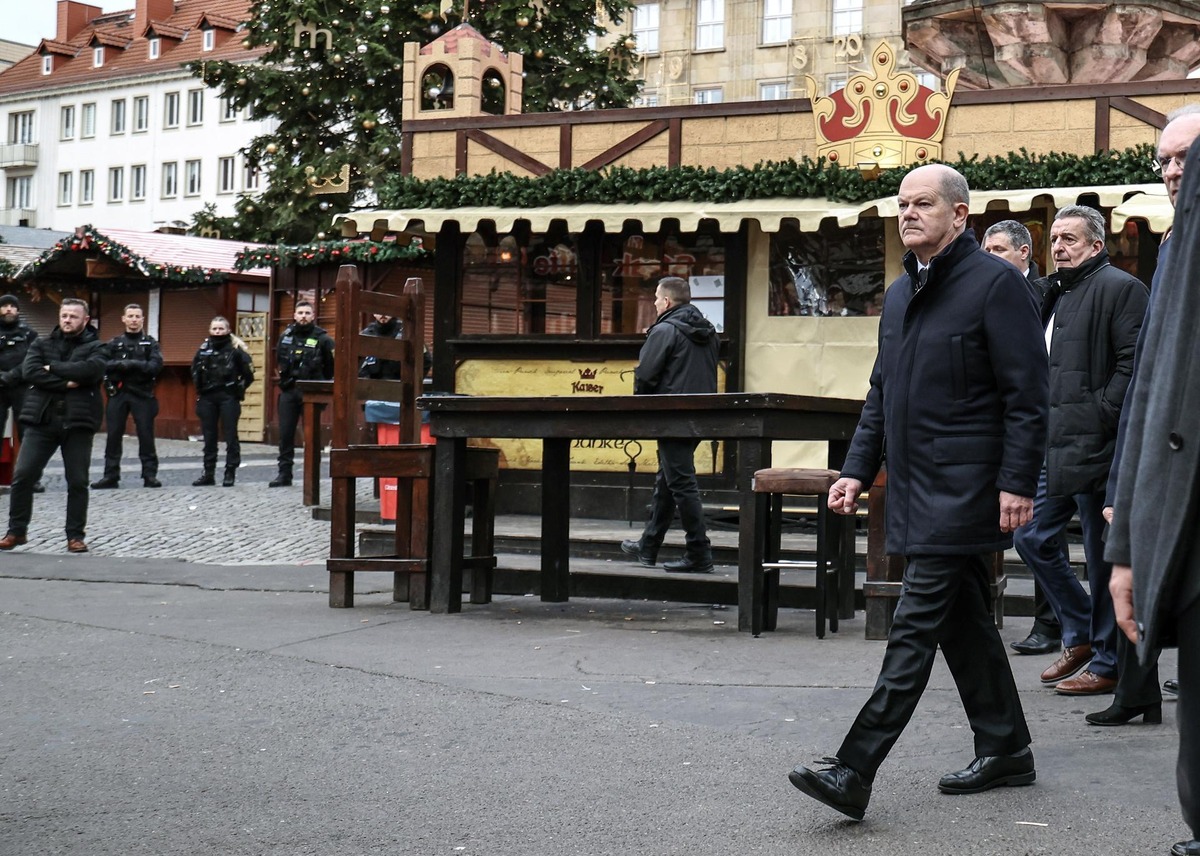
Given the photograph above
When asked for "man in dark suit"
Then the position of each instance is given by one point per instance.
(1154, 540)
(1012, 242)
(959, 394)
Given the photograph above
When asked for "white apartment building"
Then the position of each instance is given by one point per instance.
(102, 125)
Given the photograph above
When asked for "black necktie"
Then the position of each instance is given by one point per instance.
(922, 278)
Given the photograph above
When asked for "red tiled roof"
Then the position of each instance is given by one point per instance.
(117, 28)
(452, 38)
(182, 250)
(99, 37)
(217, 21)
(161, 28)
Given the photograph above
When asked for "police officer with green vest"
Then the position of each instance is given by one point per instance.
(305, 352)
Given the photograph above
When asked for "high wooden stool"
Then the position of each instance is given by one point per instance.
(835, 543)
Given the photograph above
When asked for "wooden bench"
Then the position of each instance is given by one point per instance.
(411, 463)
(835, 544)
(885, 573)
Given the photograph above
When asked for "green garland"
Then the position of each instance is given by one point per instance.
(803, 179)
(322, 252)
(8, 270)
(88, 239)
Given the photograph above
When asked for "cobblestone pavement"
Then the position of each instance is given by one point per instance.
(249, 524)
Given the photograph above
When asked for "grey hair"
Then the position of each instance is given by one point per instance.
(954, 187)
(1017, 234)
(1185, 110)
(1092, 218)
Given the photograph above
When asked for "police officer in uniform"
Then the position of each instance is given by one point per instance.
(305, 352)
(14, 343)
(221, 371)
(134, 362)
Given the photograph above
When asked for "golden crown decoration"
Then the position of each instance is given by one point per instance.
(339, 182)
(883, 119)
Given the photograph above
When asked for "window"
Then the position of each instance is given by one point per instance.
(66, 188)
(228, 110)
(87, 117)
(20, 128)
(708, 96)
(137, 182)
(153, 48)
(196, 107)
(116, 184)
(141, 113)
(97, 57)
(645, 27)
(20, 192)
(647, 99)
(777, 21)
(928, 79)
(171, 110)
(834, 82)
(710, 25)
(170, 180)
(830, 273)
(210, 39)
(250, 177)
(118, 116)
(192, 172)
(226, 175)
(774, 91)
(47, 64)
(847, 17)
(66, 123)
(87, 186)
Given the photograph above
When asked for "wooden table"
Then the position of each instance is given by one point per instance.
(318, 394)
(750, 421)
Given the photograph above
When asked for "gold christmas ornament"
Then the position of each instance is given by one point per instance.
(336, 59)
(305, 91)
(522, 20)
(631, 43)
(271, 148)
(241, 81)
(368, 124)
(539, 53)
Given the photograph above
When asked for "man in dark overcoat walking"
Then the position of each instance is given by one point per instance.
(959, 395)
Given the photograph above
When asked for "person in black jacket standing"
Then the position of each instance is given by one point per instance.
(679, 357)
(1092, 312)
(134, 362)
(305, 352)
(62, 410)
(15, 338)
(958, 392)
(221, 371)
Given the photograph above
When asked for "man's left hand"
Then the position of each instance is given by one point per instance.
(1014, 510)
(1120, 586)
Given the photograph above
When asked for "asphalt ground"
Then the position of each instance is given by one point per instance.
(163, 705)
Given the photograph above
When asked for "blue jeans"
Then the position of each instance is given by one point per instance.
(1039, 543)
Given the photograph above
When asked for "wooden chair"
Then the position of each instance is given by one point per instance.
(835, 543)
(409, 462)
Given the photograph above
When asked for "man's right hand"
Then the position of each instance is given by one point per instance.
(843, 496)
(1120, 586)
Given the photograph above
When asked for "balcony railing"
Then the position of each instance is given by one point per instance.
(18, 155)
(18, 217)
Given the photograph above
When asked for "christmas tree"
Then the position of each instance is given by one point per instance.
(331, 76)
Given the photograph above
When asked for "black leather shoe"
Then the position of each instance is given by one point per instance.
(839, 787)
(230, 478)
(689, 566)
(634, 549)
(1037, 643)
(206, 479)
(1186, 848)
(151, 482)
(1116, 714)
(1171, 686)
(106, 483)
(280, 481)
(991, 771)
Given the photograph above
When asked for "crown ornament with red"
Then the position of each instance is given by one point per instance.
(883, 119)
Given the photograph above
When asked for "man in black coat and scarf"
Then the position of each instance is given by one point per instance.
(1154, 539)
(959, 394)
(678, 358)
(62, 410)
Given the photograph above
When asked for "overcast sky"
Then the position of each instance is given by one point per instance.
(30, 21)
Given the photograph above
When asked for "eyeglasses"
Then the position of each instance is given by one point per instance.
(1161, 165)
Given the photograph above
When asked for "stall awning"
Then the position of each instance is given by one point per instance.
(770, 214)
(1152, 206)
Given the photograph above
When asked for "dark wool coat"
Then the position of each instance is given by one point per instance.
(70, 358)
(1097, 311)
(679, 356)
(1156, 516)
(958, 401)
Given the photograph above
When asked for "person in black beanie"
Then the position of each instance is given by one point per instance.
(134, 361)
(15, 338)
(304, 352)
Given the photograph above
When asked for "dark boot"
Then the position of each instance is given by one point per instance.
(206, 479)
(284, 479)
(230, 477)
